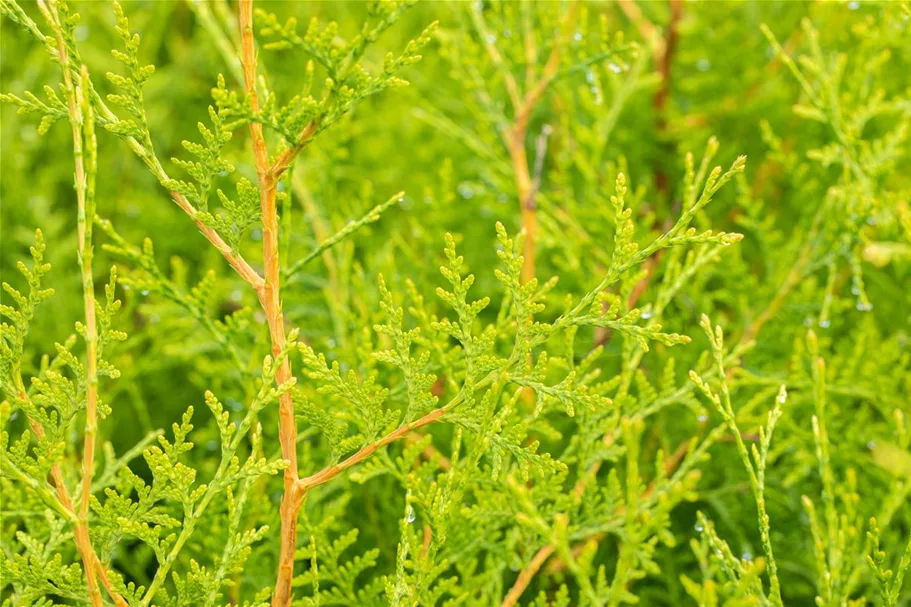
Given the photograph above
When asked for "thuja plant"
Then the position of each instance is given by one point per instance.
(481, 309)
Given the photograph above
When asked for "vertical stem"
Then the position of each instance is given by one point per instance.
(515, 144)
(270, 299)
(85, 215)
(90, 561)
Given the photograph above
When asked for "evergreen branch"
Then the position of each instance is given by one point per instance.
(754, 466)
(82, 123)
(372, 216)
(146, 153)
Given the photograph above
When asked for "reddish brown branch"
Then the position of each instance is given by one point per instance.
(515, 145)
(527, 574)
(270, 299)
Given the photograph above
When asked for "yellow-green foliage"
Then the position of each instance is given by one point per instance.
(631, 326)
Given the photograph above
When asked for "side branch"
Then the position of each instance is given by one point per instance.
(327, 474)
(236, 260)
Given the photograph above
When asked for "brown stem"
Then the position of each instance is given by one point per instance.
(270, 299)
(515, 145)
(327, 474)
(236, 260)
(527, 575)
(283, 162)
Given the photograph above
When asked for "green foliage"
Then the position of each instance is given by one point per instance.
(500, 386)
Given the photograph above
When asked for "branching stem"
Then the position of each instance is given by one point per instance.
(270, 299)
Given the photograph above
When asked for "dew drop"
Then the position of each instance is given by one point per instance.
(614, 67)
(699, 527)
(577, 36)
(646, 315)
(825, 323)
(491, 38)
(409, 515)
(782, 395)
(746, 556)
(864, 306)
(702, 418)
(853, 6)
(145, 292)
(465, 191)
(871, 445)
